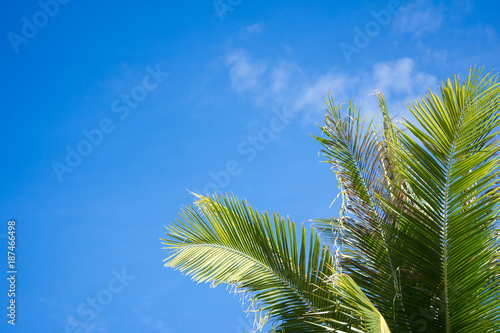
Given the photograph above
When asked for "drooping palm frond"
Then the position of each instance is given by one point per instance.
(351, 147)
(227, 241)
(354, 147)
(445, 236)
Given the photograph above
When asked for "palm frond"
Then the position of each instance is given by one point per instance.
(445, 235)
(227, 241)
(354, 146)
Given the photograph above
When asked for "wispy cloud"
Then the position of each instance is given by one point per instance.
(400, 77)
(310, 96)
(276, 82)
(254, 29)
(245, 73)
(418, 18)
(484, 30)
(145, 313)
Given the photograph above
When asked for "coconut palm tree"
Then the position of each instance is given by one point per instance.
(415, 247)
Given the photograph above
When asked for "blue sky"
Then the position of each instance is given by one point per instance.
(113, 110)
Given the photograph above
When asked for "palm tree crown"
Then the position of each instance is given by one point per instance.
(416, 245)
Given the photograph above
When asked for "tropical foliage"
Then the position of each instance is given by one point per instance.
(416, 245)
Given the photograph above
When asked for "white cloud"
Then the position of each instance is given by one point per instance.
(281, 76)
(311, 94)
(418, 17)
(400, 77)
(244, 74)
(399, 81)
(430, 55)
(254, 29)
(278, 83)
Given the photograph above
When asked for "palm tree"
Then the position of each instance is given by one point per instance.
(416, 245)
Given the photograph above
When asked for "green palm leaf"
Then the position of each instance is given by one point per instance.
(227, 241)
(360, 159)
(446, 232)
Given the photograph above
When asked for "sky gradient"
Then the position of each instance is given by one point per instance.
(114, 110)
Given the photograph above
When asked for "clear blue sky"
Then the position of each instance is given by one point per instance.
(112, 110)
